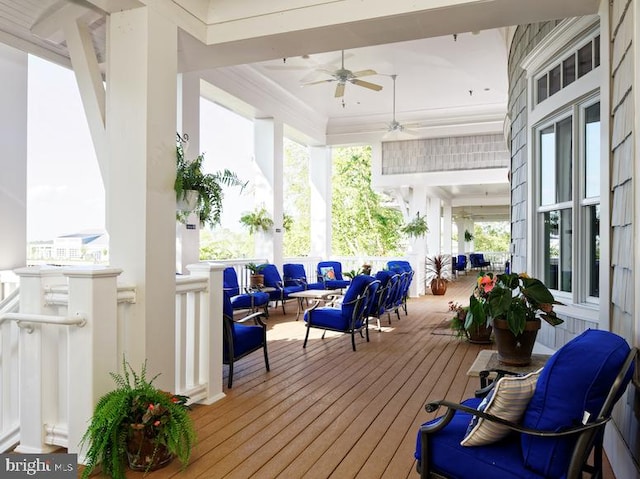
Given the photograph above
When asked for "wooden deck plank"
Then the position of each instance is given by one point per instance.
(328, 412)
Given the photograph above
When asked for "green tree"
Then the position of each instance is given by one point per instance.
(297, 194)
(225, 244)
(364, 223)
(492, 236)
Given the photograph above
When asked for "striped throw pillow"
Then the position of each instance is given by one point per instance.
(508, 400)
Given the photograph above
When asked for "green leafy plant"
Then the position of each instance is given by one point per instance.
(257, 220)
(417, 227)
(468, 236)
(458, 319)
(191, 177)
(517, 298)
(255, 268)
(164, 417)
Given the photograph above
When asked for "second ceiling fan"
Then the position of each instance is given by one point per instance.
(342, 76)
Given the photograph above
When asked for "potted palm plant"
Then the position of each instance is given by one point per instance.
(138, 423)
(256, 279)
(438, 274)
(200, 192)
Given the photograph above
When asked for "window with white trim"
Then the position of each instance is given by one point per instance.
(568, 199)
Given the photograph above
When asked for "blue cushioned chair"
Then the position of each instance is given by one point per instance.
(330, 273)
(276, 287)
(350, 316)
(582, 380)
(295, 275)
(461, 263)
(250, 301)
(239, 339)
(477, 261)
(381, 299)
(400, 267)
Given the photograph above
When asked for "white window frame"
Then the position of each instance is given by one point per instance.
(571, 100)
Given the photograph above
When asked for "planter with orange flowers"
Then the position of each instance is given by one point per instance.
(139, 425)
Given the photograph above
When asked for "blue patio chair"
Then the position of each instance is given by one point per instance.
(275, 287)
(381, 298)
(250, 301)
(330, 273)
(295, 275)
(239, 340)
(350, 316)
(477, 261)
(552, 434)
(399, 266)
(461, 263)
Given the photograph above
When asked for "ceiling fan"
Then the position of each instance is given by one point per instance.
(395, 131)
(342, 76)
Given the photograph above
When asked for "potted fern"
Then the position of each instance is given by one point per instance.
(256, 279)
(139, 423)
(198, 191)
(257, 220)
(417, 227)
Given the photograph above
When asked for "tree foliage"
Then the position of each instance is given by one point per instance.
(364, 223)
(297, 194)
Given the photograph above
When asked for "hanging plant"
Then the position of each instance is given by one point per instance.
(257, 220)
(190, 177)
(417, 227)
(468, 236)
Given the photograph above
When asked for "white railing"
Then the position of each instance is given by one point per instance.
(9, 410)
(8, 282)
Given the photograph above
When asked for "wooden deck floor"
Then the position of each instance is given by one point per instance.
(328, 412)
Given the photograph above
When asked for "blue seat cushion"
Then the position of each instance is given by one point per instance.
(330, 318)
(336, 283)
(500, 460)
(243, 301)
(246, 338)
(577, 378)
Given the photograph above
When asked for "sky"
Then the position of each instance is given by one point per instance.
(64, 187)
(65, 193)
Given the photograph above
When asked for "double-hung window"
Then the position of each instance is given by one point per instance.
(565, 138)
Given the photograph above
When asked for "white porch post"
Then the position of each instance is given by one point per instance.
(419, 246)
(13, 160)
(93, 293)
(320, 169)
(38, 353)
(141, 128)
(460, 223)
(269, 153)
(434, 221)
(211, 330)
(188, 235)
(447, 227)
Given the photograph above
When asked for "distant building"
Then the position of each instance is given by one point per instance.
(83, 247)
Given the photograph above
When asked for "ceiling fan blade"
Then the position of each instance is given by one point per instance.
(364, 73)
(328, 80)
(339, 90)
(366, 84)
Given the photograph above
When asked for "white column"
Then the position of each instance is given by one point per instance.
(210, 366)
(460, 224)
(13, 160)
(93, 292)
(469, 226)
(320, 170)
(418, 246)
(447, 223)
(188, 234)
(269, 153)
(434, 221)
(141, 128)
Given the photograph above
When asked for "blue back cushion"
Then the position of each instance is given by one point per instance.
(227, 309)
(577, 378)
(230, 281)
(271, 275)
(293, 271)
(399, 266)
(358, 284)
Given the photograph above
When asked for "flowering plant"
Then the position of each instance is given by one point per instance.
(517, 298)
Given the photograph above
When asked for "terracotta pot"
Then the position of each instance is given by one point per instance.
(480, 334)
(143, 452)
(438, 286)
(515, 350)
(256, 280)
